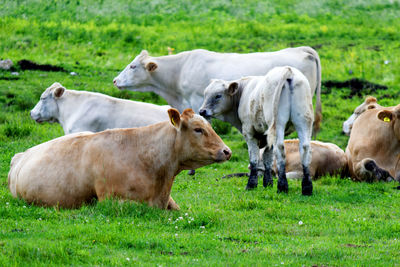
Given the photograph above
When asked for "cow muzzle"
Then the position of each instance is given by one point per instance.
(116, 82)
(223, 154)
(205, 113)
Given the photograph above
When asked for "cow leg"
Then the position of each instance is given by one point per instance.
(305, 155)
(280, 155)
(254, 155)
(377, 172)
(172, 204)
(268, 157)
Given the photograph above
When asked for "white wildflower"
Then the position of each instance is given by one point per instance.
(300, 223)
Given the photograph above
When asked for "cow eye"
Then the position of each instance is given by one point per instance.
(218, 96)
(132, 66)
(198, 130)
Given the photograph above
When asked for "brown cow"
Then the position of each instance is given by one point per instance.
(374, 145)
(137, 164)
(326, 158)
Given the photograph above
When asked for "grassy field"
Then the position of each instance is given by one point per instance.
(343, 224)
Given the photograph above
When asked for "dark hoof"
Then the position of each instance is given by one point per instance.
(283, 187)
(252, 183)
(306, 190)
(251, 186)
(192, 172)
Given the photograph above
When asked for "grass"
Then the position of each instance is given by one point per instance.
(342, 224)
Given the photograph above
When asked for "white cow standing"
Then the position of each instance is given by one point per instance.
(79, 111)
(181, 79)
(260, 107)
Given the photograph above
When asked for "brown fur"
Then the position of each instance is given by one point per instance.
(373, 139)
(327, 158)
(138, 164)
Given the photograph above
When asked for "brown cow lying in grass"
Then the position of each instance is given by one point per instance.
(137, 164)
(326, 158)
(373, 150)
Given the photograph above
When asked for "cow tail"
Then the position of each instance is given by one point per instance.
(271, 132)
(318, 107)
(13, 173)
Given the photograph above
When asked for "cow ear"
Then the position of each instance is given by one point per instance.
(151, 66)
(174, 117)
(188, 113)
(144, 53)
(233, 88)
(385, 115)
(370, 99)
(58, 92)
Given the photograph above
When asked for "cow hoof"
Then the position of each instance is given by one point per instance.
(252, 182)
(306, 190)
(251, 186)
(192, 172)
(268, 183)
(283, 187)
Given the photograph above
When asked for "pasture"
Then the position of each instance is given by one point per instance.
(343, 224)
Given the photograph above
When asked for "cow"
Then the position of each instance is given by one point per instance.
(373, 150)
(259, 107)
(369, 103)
(137, 164)
(79, 111)
(374, 145)
(326, 159)
(181, 79)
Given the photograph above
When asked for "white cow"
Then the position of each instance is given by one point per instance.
(79, 111)
(181, 79)
(369, 103)
(260, 107)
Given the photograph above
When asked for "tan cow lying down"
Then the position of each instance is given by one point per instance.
(374, 146)
(138, 164)
(326, 158)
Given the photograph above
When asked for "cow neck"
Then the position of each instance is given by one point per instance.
(166, 80)
(160, 138)
(233, 115)
(72, 101)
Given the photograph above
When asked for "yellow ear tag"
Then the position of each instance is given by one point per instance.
(386, 119)
(173, 122)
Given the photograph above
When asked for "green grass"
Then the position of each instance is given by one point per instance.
(343, 224)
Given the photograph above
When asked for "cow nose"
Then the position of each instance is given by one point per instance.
(203, 113)
(227, 153)
(115, 82)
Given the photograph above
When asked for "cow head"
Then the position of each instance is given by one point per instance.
(137, 73)
(218, 98)
(391, 116)
(197, 144)
(369, 103)
(47, 109)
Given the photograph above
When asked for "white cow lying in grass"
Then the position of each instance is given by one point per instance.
(79, 111)
(369, 103)
(181, 79)
(260, 107)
